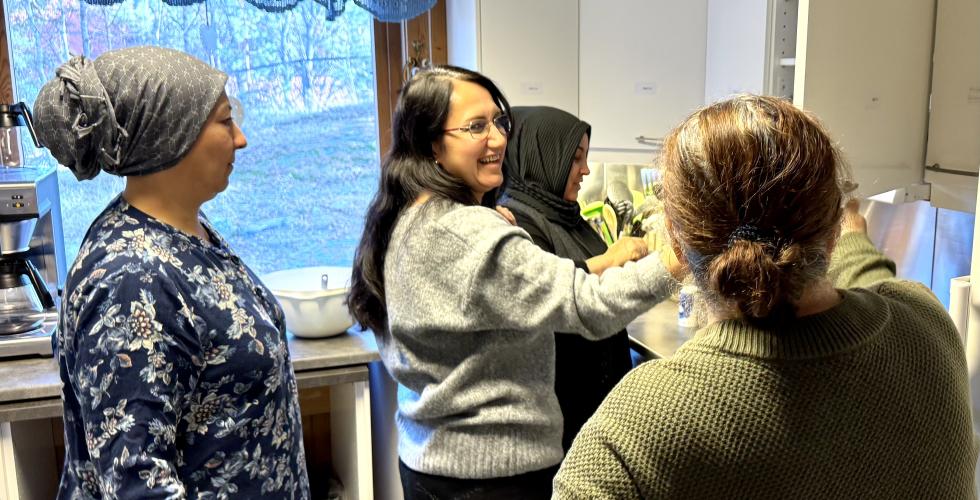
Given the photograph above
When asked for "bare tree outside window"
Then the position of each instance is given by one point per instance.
(299, 191)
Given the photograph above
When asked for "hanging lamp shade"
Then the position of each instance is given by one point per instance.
(334, 8)
(274, 6)
(395, 10)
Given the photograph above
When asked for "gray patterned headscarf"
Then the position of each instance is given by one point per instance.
(132, 111)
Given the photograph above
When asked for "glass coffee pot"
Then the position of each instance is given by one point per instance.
(23, 296)
(11, 117)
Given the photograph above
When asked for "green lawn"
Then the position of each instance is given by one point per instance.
(297, 196)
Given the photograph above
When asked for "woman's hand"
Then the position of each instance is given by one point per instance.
(659, 240)
(507, 215)
(668, 256)
(853, 221)
(624, 250)
(627, 249)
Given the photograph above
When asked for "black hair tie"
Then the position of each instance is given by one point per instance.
(749, 232)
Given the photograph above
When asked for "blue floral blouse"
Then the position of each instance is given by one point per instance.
(177, 378)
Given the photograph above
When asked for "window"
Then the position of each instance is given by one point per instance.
(299, 190)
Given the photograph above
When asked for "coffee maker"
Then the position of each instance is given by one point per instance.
(32, 255)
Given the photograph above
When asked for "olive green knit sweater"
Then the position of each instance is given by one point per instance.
(866, 400)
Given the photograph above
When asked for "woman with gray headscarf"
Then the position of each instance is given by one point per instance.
(177, 379)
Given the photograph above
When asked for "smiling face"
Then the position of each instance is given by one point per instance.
(477, 162)
(580, 168)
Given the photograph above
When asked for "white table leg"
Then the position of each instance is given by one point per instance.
(8, 466)
(350, 437)
(384, 434)
(27, 461)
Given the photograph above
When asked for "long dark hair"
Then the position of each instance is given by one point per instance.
(408, 170)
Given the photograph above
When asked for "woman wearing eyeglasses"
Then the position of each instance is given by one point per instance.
(464, 304)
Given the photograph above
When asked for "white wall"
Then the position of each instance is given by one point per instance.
(463, 33)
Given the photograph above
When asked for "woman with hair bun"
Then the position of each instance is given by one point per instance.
(817, 375)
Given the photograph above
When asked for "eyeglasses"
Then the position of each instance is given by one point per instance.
(479, 129)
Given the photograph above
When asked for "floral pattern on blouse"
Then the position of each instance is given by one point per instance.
(177, 377)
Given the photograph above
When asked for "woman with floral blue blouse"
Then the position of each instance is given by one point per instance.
(177, 379)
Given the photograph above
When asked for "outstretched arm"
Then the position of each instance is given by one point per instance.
(855, 261)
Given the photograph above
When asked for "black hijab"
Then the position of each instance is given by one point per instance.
(539, 159)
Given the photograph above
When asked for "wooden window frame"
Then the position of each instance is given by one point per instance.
(6, 71)
(392, 53)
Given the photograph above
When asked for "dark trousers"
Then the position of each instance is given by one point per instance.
(532, 485)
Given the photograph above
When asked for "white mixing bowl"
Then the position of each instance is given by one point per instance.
(313, 299)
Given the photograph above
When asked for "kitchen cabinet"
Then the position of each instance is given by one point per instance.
(953, 148)
(529, 49)
(27, 466)
(601, 60)
(866, 69)
(897, 84)
(862, 67)
(641, 69)
(740, 55)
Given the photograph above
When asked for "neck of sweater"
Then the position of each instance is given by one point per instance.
(856, 319)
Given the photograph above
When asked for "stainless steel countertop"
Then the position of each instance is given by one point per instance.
(656, 334)
(37, 378)
(32, 382)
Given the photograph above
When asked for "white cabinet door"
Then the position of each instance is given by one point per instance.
(530, 50)
(863, 67)
(735, 58)
(954, 117)
(641, 67)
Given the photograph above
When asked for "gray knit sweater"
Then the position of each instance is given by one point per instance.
(866, 400)
(473, 305)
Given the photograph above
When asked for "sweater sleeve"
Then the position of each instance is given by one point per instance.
(856, 263)
(512, 284)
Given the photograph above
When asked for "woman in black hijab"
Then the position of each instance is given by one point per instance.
(547, 159)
